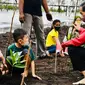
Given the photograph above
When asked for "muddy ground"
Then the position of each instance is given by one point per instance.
(44, 68)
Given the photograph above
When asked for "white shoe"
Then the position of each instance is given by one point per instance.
(82, 81)
(66, 53)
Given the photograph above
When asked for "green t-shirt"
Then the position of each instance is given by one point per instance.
(19, 50)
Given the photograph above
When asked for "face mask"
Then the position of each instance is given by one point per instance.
(27, 43)
(57, 28)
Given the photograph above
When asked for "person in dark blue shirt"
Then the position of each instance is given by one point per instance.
(30, 11)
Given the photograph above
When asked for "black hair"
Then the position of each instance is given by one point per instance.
(76, 17)
(54, 22)
(83, 8)
(82, 4)
(18, 34)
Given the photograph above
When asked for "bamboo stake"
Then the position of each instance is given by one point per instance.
(27, 64)
(55, 62)
(9, 40)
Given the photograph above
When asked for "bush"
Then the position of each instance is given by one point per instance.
(56, 10)
(8, 7)
(1, 7)
(53, 9)
(60, 10)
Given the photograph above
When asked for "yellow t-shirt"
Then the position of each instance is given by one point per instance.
(49, 39)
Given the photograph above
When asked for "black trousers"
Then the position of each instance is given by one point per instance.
(77, 56)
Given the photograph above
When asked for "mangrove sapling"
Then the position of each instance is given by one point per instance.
(15, 60)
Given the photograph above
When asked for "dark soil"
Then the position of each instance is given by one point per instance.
(44, 68)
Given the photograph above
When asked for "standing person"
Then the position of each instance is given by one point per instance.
(30, 12)
(76, 49)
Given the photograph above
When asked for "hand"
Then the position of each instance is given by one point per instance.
(21, 18)
(2, 58)
(63, 47)
(36, 77)
(62, 54)
(4, 63)
(49, 16)
(76, 26)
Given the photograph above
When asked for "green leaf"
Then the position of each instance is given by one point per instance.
(11, 53)
(19, 66)
(23, 61)
(14, 63)
(19, 58)
(15, 60)
(9, 61)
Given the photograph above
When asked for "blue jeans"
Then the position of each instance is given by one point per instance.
(51, 49)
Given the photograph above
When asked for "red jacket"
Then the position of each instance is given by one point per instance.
(76, 41)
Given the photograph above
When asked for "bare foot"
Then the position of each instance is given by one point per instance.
(36, 77)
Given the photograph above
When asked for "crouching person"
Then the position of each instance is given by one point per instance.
(22, 47)
(52, 40)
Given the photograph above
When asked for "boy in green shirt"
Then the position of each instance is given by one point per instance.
(21, 46)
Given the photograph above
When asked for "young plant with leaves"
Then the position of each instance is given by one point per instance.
(15, 60)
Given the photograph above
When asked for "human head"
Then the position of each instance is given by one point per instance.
(56, 24)
(82, 10)
(20, 36)
(77, 19)
(82, 4)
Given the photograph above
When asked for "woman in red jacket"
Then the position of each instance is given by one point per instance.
(76, 48)
(76, 51)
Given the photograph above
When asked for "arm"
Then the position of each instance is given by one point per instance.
(2, 58)
(45, 6)
(76, 41)
(21, 13)
(81, 30)
(33, 70)
(21, 6)
(58, 46)
(77, 27)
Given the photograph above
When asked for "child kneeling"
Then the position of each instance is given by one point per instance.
(52, 40)
(21, 46)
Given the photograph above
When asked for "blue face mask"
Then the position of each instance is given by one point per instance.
(57, 28)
